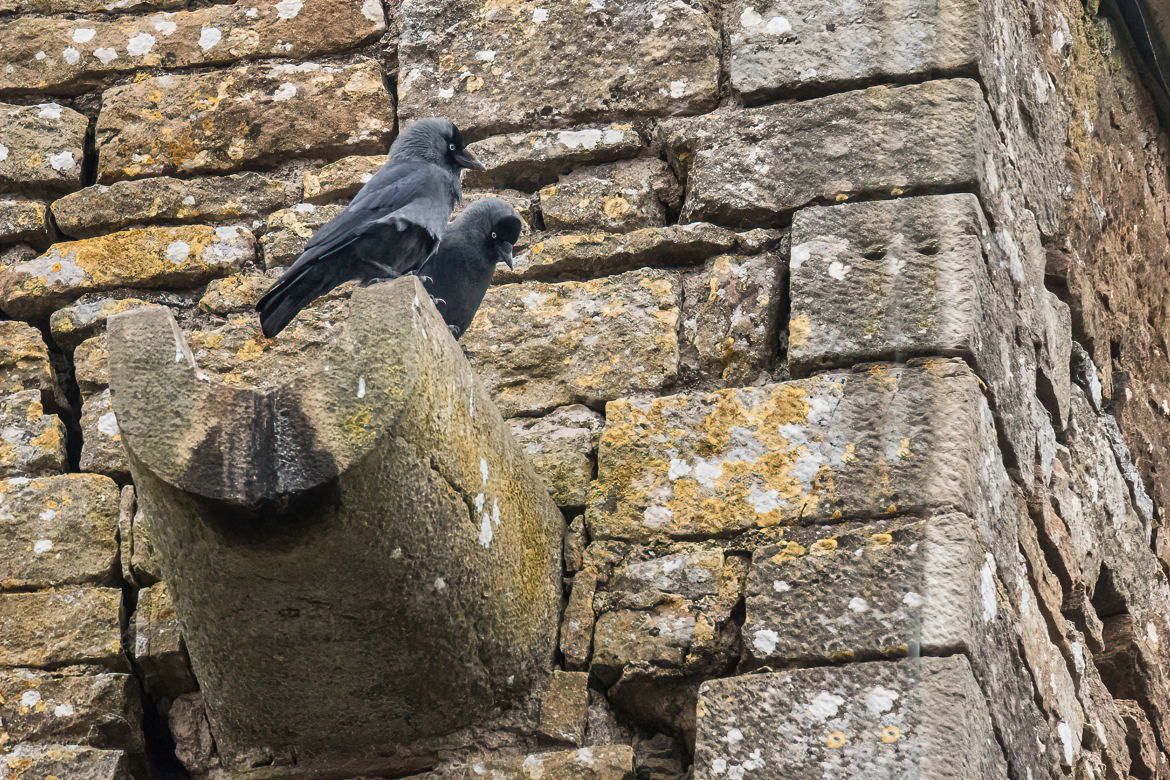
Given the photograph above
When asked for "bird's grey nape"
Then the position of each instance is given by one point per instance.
(424, 139)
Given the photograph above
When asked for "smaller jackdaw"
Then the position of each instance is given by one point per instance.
(389, 228)
(459, 273)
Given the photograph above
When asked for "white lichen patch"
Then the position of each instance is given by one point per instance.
(84, 34)
(987, 588)
(62, 161)
(824, 705)
(839, 270)
(71, 56)
(209, 37)
(284, 91)
(879, 700)
(539, 15)
(858, 604)
(30, 698)
(49, 111)
(372, 10)
(106, 54)
(140, 45)
(764, 641)
(178, 251)
(64, 710)
(56, 270)
(288, 9)
(108, 424)
(657, 516)
(42, 546)
(165, 26)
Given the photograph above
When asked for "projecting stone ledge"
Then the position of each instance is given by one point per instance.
(367, 531)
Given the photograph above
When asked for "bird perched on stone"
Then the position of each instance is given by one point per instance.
(390, 227)
(459, 273)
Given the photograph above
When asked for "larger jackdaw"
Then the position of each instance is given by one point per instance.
(459, 273)
(390, 227)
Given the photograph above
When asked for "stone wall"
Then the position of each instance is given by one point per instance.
(839, 334)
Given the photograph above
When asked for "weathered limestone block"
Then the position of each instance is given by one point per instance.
(780, 47)
(899, 278)
(58, 531)
(915, 718)
(577, 625)
(487, 66)
(84, 53)
(289, 229)
(879, 440)
(86, 6)
(91, 365)
(563, 704)
(80, 706)
(588, 255)
(32, 443)
(24, 360)
(731, 317)
(101, 444)
(562, 446)
(601, 762)
(1055, 356)
(617, 197)
(226, 120)
(144, 568)
(33, 762)
(61, 627)
(22, 219)
(158, 644)
(75, 324)
(393, 466)
(147, 257)
(538, 346)
(105, 208)
(236, 293)
(194, 745)
(528, 161)
(42, 146)
(340, 179)
(753, 166)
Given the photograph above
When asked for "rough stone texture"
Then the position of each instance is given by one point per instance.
(616, 197)
(41, 147)
(603, 762)
(562, 447)
(340, 179)
(40, 762)
(577, 625)
(784, 46)
(562, 707)
(882, 140)
(86, 6)
(731, 317)
(923, 717)
(75, 706)
(58, 531)
(101, 449)
(74, 324)
(466, 516)
(24, 360)
(22, 219)
(537, 346)
(158, 644)
(289, 229)
(487, 66)
(83, 53)
(32, 443)
(105, 208)
(61, 626)
(146, 258)
(91, 365)
(587, 255)
(879, 440)
(223, 121)
(528, 161)
(194, 745)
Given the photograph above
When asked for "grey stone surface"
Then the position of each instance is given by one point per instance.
(563, 704)
(58, 530)
(754, 166)
(287, 231)
(562, 446)
(463, 515)
(537, 346)
(41, 146)
(81, 706)
(75, 762)
(23, 219)
(32, 443)
(617, 197)
(491, 71)
(601, 762)
(530, 160)
(222, 121)
(577, 625)
(101, 443)
(158, 644)
(24, 360)
(61, 627)
(915, 718)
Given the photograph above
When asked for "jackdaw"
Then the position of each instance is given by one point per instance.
(390, 227)
(459, 273)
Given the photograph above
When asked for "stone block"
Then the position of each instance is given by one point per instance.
(80, 706)
(528, 161)
(87, 6)
(487, 66)
(915, 718)
(731, 317)
(601, 762)
(158, 644)
(104, 208)
(61, 627)
(33, 762)
(617, 197)
(24, 360)
(91, 365)
(563, 704)
(225, 120)
(91, 52)
(754, 166)
(22, 219)
(147, 258)
(74, 324)
(577, 624)
(562, 446)
(537, 346)
(32, 443)
(287, 231)
(58, 531)
(43, 146)
(102, 451)
(339, 179)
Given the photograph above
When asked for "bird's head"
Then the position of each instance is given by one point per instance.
(494, 222)
(435, 140)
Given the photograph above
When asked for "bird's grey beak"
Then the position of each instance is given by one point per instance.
(506, 253)
(466, 159)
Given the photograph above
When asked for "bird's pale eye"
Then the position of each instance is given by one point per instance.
(451, 147)
(493, 234)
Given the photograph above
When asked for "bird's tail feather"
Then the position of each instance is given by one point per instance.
(293, 293)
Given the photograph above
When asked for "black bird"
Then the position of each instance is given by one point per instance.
(390, 227)
(459, 273)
